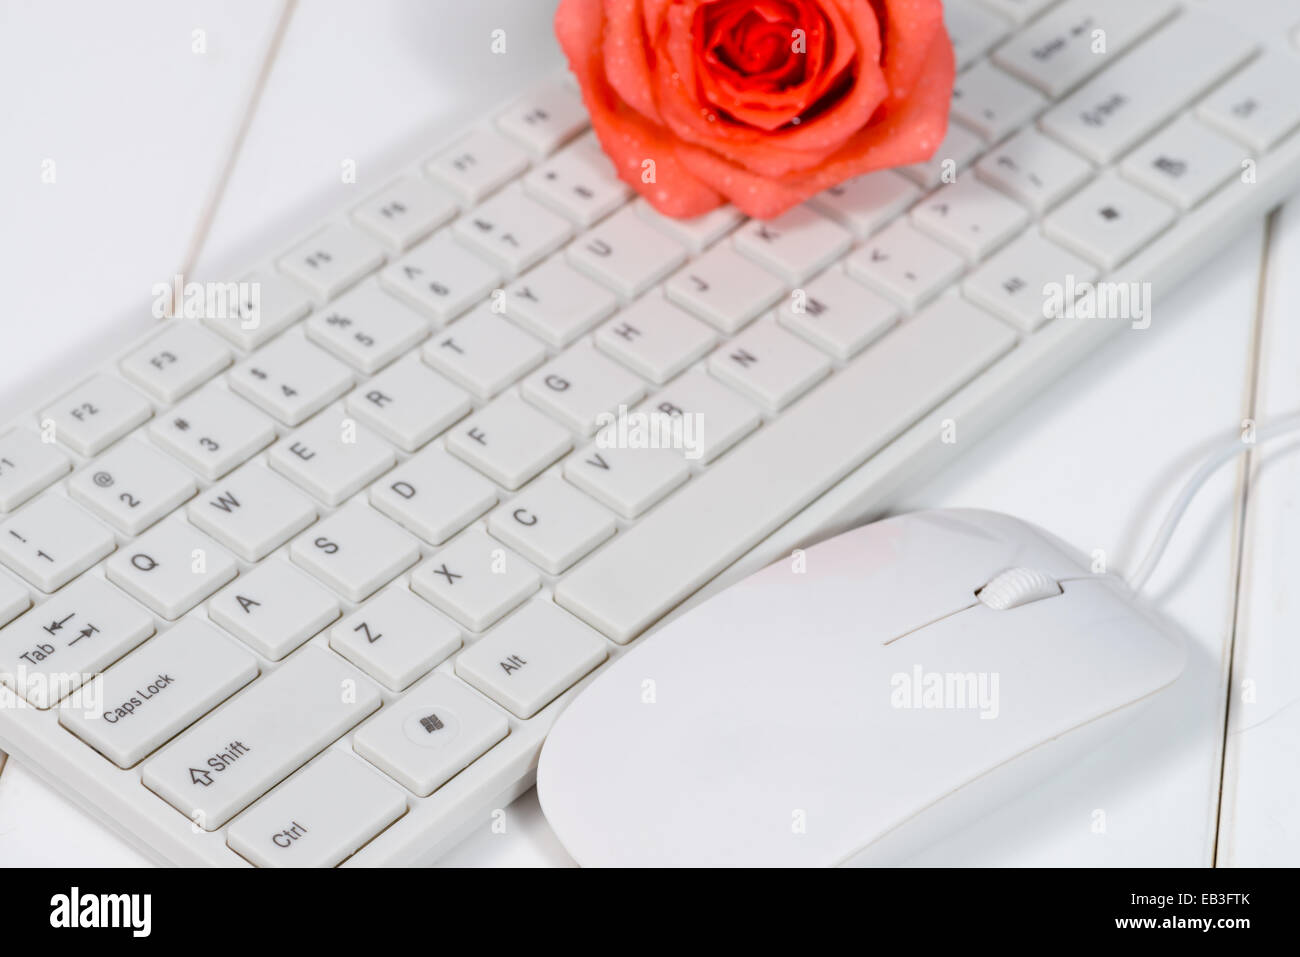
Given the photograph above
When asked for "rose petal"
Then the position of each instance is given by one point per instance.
(624, 47)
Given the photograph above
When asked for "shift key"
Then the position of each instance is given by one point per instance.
(242, 750)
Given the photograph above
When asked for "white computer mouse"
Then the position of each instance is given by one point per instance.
(853, 703)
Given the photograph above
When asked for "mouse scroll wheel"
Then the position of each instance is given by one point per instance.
(1017, 586)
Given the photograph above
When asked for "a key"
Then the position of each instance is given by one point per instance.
(395, 637)
(366, 328)
(290, 379)
(160, 689)
(626, 253)
(579, 182)
(629, 479)
(706, 417)
(176, 362)
(770, 365)
(27, 465)
(724, 512)
(551, 524)
(334, 259)
(242, 750)
(405, 211)
(509, 441)
(973, 29)
(1111, 113)
(433, 495)
(252, 512)
(969, 216)
(1108, 221)
(697, 233)
(795, 245)
(213, 431)
(70, 638)
(1013, 284)
(958, 150)
(476, 580)
(838, 315)
(52, 541)
(356, 551)
(557, 303)
(1256, 106)
(579, 386)
(512, 230)
(543, 120)
(96, 414)
(319, 817)
(273, 305)
(1184, 163)
(483, 352)
(1020, 11)
(437, 730)
(905, 265)
(992, 102)
(535, 656)
(408, 404)
(477, 164)
(331, 457)
(864, 204)
(171, 568)
(724, 289)
(440, 278)
(655, 338)
(132, 486)
(1034, 169)
(14, 600)
(273, 609)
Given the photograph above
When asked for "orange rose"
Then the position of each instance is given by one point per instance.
(762, 103)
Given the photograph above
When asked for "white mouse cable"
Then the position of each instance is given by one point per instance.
(1230, 449)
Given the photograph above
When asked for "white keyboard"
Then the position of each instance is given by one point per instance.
(310, 589)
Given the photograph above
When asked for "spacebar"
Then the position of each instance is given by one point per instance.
(641, 574)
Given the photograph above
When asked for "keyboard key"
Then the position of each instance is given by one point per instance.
(356, 551)
(958, 150)
(478, 164)
(712, 417)
(512, 230)
(552, 524)
(579, 182)
(319, 817)
(484, 353)
(509, 441)
(1256, 106)
(557, 303)
(837, 315)
(132, 486)
(1013, 283)
(1184, 163)
(644, 571)
(724, 289)
(628, 479)
(972, 218)
(654, 338)
(973, 29)
(395, 637)
(276, 304)
(14, 600)
(366, 328)
(290, 379)
(864, 204)
(331, 457)
(52, 541)
(626, 253)
(795, 245)
(176, 362)
(405, 211)
(992, 102)
(697, 233)
(431, 735)
(543, 120)
(27, 465)
(171, 568)
(252, 512)
(581, 385)
(273, 609)
(440, 278)
(1020, 11)
(160, 689)
(476, 580)
(1108, 221)
(408, 404)
(334, 259)
(96, 414)
(1034, 169)
(769, 365)
(433, 495)
(532, 658)
(242, 750)
(905, 265)
(73, 636)
(213, 431)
